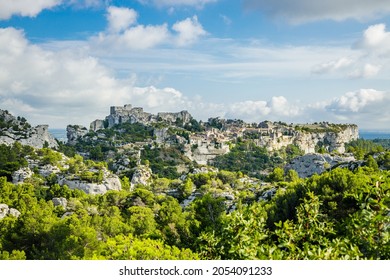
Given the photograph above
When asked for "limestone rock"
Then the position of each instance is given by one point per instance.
(48, 169)
(14, 212)
(5, 211)
(19, 130)
(40, 137)
(109, 182)
(20, 175)
(142, 176)
(311, 164)
(96, 125)
(60, 201)
(74, 132)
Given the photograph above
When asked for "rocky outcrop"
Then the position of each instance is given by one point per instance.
(141, 176)
(331, 137)
(130, 114)
(109, 182)
(182, 116)
(96, 125)
(91, 188)
(75, 132)
(19, 130)
(311, 164)
(60, 201)
(205, 152)
(20, 175)
(5, 210)
(39, 138)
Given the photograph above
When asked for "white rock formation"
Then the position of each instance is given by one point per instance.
(310, 164)
(142, 176)
(60, 201)
(5, 211)
(110, 182)
(20, 175)
(74, 132)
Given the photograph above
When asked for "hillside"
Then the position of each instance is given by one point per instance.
(134, 190)
(14, 129)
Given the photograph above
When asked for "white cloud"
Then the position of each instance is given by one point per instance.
(123, 33)
(62, 87)
(375, 40)
(189, 31)
(300, 11)
(367, 58)
(354, 102)
(256, 110)
(119, 19)
(137, 38)
(368, 71)
(332, 65)
(26, 8)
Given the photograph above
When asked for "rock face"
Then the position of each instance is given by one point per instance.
(74, 132)
(5, 211)
(60, 201)
(306, 137)
(19, 130)
(96, 125)
(20, 175)
(142, 176)
(311, 164)
(130, 114)
(40, 137)
(182, 116)
(205, 153)
(109, 182)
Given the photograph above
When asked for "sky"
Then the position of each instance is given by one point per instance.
(297, 61)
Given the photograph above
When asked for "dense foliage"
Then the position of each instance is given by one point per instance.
(341, 214)
(253, 160)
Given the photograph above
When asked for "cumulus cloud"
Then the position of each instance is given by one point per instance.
(367, 58)
(278, 107)
(26, 8)
(124, 33)
(63, 87)
(189, 31)
(120, 19)
(353, 102)
(301, 11)
(375, 40)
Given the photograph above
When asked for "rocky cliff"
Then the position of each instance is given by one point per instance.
(74, 132)
(14, 129)
(310, 164)
(130, 114)
(330, 137)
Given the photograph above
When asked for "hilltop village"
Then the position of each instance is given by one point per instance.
(203, 141)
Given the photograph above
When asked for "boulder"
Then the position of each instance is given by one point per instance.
(5, 211)
(142, 176)
(110, 182)
(60, 201)
(20, 175)
(74, 132)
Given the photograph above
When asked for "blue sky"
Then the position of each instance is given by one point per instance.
(66, 61)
